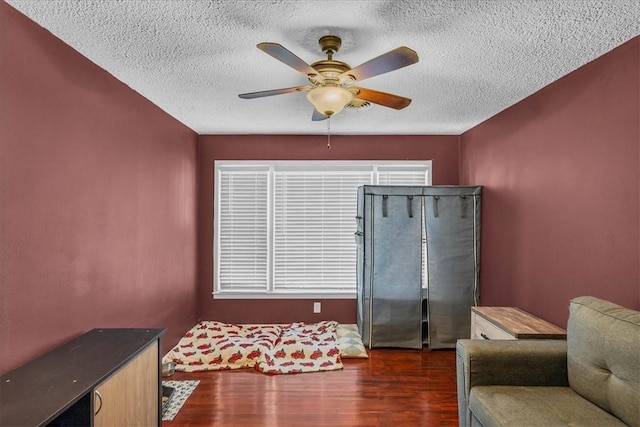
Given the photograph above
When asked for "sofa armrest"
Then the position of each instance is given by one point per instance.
(522, 362)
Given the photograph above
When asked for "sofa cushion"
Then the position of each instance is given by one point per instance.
(535, 406)
(603, 356)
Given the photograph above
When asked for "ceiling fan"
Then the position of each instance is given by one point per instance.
(332, 81)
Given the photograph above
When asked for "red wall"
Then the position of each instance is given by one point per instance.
(98, 193)
(561, 201)
(443, 150)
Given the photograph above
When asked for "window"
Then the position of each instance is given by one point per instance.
(285, 229)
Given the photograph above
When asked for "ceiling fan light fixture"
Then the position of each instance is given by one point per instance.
(329, 100)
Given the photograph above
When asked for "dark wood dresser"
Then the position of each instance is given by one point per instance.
(103, 377)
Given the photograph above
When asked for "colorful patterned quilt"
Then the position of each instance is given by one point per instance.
(271, 349)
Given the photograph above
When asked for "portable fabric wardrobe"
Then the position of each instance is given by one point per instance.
(413, 293)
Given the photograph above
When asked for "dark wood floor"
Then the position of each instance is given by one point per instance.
(392, 388)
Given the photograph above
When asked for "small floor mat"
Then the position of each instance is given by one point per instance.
(182, 390)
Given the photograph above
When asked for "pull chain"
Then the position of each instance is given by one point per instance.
(329, 132)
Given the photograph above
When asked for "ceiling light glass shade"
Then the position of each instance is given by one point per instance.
(329, 100)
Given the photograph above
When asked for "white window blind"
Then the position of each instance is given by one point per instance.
(402, 176)
(314, 247)
(242, 249)
(286, 228)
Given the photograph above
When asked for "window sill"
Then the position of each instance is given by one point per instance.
(238, 295)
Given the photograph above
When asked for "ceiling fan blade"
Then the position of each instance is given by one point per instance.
(392, 60)
(317, 116)
(263, 93)
(381, 98)
(282, 54)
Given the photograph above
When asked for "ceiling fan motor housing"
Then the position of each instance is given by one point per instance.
(329, 68)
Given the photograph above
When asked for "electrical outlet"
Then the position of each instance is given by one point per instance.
(316, 307)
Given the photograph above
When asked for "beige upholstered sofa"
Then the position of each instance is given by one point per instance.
(591, 379)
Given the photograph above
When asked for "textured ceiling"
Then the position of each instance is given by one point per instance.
(193, 58)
